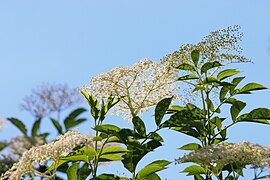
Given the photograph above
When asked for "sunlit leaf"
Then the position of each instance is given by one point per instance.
(93, 103)
(107, 128)
(111, 157)
(190, 146)
(97, 138)
(227, 73)
(209, 65)
(259, 115)
(152, 168)
(153, 176)
(194, 170)
(113, 149)
(108, 177)
(251, 87)
(185, 66)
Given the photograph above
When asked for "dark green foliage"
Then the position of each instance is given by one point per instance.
(19, 124)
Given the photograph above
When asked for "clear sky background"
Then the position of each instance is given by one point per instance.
(68, 41)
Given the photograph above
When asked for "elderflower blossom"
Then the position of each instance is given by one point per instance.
(3, 123)
(20, 144)
(142, 85)
(63, 145)
(219, 46)
(243, 154)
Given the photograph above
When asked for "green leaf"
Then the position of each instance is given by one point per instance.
(209, 65)
(236, 108)
(223, 134)
(259, 115)
(107, 177)
(153, 176)
(235, 82)
(194, 170)
(198, 177)
(161, 109)
(59, 163)
(223, 92)
(71, 121)
(137, 151)
(182, 118)
(44, 135)
(113, 139)
(217, 121)
(71, 124)
(185, 66)
(195, 55)
(175, 108)
(75, 158)
(114, 149)
(107, 128)
(74, 114)
(210, 104)
(188, 131)
(93, 103)
(152, 168)
(82, 154)
(187, 77)
(190, 146)
(227, 73)
(155, 136)
(111, 157)
(139, 125)
(36, 127)
(111, 102)
(57, 126)
(210, 80)
(251, 87)
(97, 138)
(72, 171)
(84, 172)
(19, 124)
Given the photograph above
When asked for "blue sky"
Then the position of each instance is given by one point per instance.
(69, 41)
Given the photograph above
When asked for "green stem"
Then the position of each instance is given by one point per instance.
(133, 175)
(226, 127)
(208, 119)
(96, 160)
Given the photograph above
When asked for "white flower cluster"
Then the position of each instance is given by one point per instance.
(243, 154)
(142, 85)
(221, 45)
(41, 154)
(20, 144)
(3, 123)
